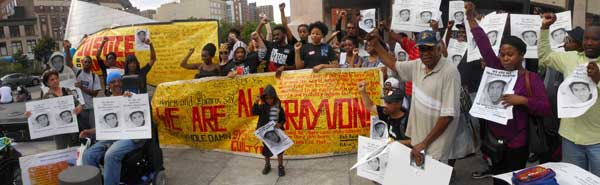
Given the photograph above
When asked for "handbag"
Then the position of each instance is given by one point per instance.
(536, 175)
(536, 136)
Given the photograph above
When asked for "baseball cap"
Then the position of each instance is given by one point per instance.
(576, 34)
(395, 83)
(427, 38)
(395, 96)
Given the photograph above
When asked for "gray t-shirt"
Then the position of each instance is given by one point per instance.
(88, 81)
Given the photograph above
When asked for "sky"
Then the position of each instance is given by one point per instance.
(153, 4)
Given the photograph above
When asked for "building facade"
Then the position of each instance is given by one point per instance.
(7, 8)
(19, 32)
(241, 12)
(186, 9)
(150, 14)
(266, 10)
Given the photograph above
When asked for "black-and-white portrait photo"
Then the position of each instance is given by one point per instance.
(141, 36)
(404, 15)
(272, 137)
(425, 17)
(456, 59)
(111, 120)
(581, 91)
(137, 119)
(41, 121)
(379, 130)
(493, 36)
(494, 91)
(374, 164)
(558, 35)
(458, 17)
(369, 23)
(65, 117)
(401, 56)
(530, 37)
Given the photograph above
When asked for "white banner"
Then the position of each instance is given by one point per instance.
(488, 101)
(566, 174)
(400, 171)
(119, 117)
(44, 168)
(558, 30)
(275, 139)
(369, 21)
(527, 28)
(456, 12)
(51, 117)
(576, 94)
(374, 153)
(456, 51)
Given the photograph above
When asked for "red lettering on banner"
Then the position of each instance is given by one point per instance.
(305, 113)
(339, 116)
(169, 117)
(307, 109)
(290, 116)
(360, 113)
(202, 122)
(243, 104)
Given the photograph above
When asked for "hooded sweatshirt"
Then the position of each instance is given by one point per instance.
(66, 75)
(247, 65)
(267, 113)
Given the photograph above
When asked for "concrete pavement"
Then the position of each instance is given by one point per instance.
(187, 166)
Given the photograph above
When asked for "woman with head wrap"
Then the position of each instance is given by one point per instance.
(515, 132)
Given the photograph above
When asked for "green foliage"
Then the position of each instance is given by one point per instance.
(246, 30)
(44, 48)
(224, 27)
(20, 58)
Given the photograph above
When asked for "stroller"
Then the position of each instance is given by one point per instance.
(10, 172)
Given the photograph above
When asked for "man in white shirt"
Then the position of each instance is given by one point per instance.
(5, 95)
(89, 83)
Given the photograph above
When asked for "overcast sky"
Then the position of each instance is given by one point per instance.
(153, 4)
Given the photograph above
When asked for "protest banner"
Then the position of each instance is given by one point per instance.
(456, 12)
(493, 25)
(51, 117)
(566, 174)
(43, 168)
(368, 22)
(414, 16)
(371, 159)
(171, 41)
(274, 138)
(119, 117)
(456, 51)
(576, 94)
(324, 112)
(558, 30)
(379, 129)
(82, 21)
(488, 102)
(400, 170)
(527, 28)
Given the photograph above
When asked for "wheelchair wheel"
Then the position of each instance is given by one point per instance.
(160, 178)
(11, 172)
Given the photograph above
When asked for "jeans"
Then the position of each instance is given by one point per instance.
(584, 156)
(112, 152)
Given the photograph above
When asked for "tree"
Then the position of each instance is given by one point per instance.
(20, 58)
(44, 48)
(224, 27)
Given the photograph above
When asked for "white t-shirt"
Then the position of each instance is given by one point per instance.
(88, 81)
(5, 94)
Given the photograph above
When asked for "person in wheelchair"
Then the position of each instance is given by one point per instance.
(110, 152)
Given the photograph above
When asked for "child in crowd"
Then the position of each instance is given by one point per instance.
(268, 108)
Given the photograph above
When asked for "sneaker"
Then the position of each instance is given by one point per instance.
(482, 174)
(281, 171)
(267, 169)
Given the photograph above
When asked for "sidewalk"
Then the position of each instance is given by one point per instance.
(196, 167)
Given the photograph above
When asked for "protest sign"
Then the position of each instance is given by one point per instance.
(576, 94)
(493, 25)
(82, 21)
(566, 174)
(51, 117)
(400, 54)
(488, 103)
(371, 160)
(119, 117)
(171, 41)
(558, 30)
(456, 51)
(414, 16)
(527, 28)
(368, 22)
(379, 129)
(343, 58)
(456, 12)
(400, 171)
(44, 168)
(274, 138)
(323, 111)
(70, 85)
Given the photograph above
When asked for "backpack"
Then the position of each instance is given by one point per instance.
(536, 175)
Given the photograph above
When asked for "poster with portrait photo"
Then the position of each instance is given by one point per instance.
(456, 51)
(456, 12)
(122, 117)
(527, 28)
(51, 117)
(414, 16)
(400, 53)
(379, 129)
(368, 21)
(69, 84)
(493, 25)
(400, 171)
(488, 102)
(576, 94)
(371, 158)
(558, 30)
(140, 37)
(275, 139)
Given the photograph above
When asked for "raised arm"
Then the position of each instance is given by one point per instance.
(481, 39)
(68, 58)
(184, 62)
(260, 26)
(369, 105)
(387, 59)
(333, 36)
(99, 55)
(284, 22)
(448, 32)
(548, 57)
(338, 25)
(152, 53)
(298, 58)
(269, 31)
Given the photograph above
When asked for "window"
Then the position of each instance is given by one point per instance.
(14, 31)
(53, 20)
(16, 46)
(1, 31)
(30, 45)
(43, 18)
(3, 49)
(29, 30)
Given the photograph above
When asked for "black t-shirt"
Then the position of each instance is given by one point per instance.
(470, 74)
(142, 79)
(249, 66)
(314, 55)
(397, 126)
(280, 56)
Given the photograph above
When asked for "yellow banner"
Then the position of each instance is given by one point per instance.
(324, 112)
(171, 41)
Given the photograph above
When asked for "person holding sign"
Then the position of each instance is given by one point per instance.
(207, 68)
(132, 67)
(51, 80)
(391, 112)
(316, 55)
(110, 151)
(580, 143)
(512, 52)
(268, 108)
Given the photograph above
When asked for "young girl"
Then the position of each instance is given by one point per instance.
(207, 68)
(268, 108)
